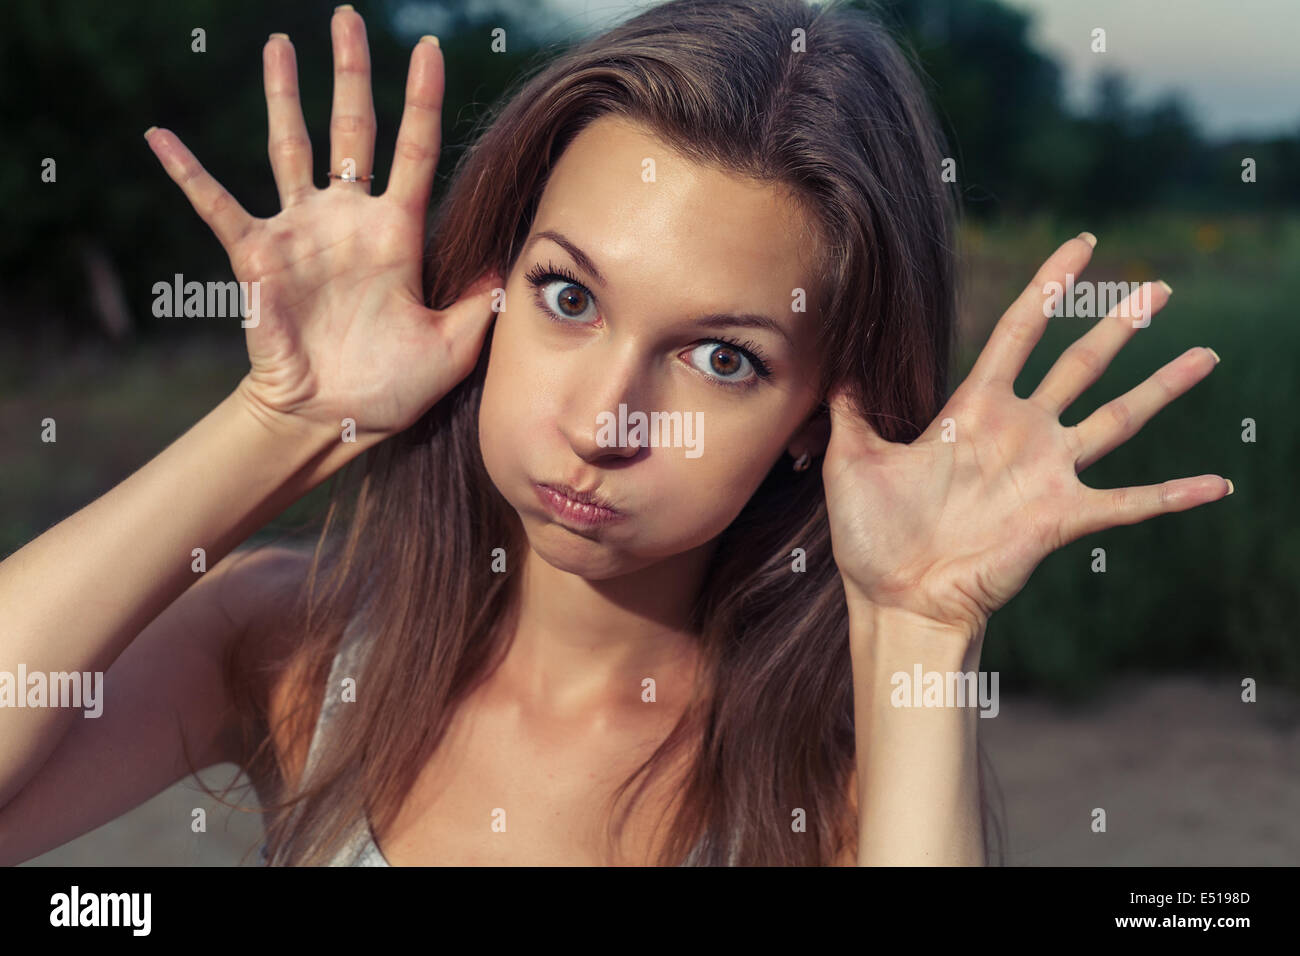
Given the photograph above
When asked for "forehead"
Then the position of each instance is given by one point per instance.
(645, 213)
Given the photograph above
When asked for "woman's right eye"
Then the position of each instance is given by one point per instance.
(561, 296)
(566, 300)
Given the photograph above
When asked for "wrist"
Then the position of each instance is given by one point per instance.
(296, 433)
(311, 451)
(892, 632)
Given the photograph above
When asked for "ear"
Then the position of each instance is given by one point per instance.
(813, 436)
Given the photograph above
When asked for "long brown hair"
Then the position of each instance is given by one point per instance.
(817, 100)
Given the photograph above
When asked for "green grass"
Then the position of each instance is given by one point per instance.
(1215, 590)
(113, 413)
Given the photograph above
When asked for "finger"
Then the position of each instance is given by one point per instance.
(848, 424)
(419, 137)
(352, 119)
(1020, 328)
(1120, 419)
(1111, 507)
(287, 142)
(227, 219)
(1080, 365)
(465, 321)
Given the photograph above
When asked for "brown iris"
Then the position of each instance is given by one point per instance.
(566, 298)
(729, 363)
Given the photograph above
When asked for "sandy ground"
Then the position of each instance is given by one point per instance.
(1187, 773)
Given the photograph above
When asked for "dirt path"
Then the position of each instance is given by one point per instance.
(1187, 773)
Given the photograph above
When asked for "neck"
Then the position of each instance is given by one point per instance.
(582, 648)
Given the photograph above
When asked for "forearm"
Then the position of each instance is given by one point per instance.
(77, 596)
(918, 773)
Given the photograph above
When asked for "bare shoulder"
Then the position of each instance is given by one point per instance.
(255, 583)
(261, 592)
(175, 708)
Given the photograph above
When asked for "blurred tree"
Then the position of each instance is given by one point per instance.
(1118, 174)
(84, 79)
(999, 99)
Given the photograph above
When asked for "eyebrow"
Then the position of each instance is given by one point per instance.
(715, 320)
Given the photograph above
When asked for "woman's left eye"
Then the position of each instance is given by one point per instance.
(725, 362)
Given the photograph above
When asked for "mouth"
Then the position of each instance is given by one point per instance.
(584, 509)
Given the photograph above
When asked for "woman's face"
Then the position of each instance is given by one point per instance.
(623, 301)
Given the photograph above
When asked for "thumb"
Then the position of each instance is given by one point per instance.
(848, 423)
(465, 322)
(474, 307)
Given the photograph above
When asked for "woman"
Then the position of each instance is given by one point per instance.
(545, 635)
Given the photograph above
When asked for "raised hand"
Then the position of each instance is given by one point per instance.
(950, 526)
(342, 329)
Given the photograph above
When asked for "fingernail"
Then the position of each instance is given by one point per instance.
(1167, 287)
(430, 38)
(1089, 238)
(1217, 360)
(148, 131)
(343, 6)
(1229, 481)
(282, 36)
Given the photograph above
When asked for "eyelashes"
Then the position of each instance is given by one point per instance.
(750, 353)
(539, 278)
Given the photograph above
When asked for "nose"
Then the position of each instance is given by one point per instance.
(596, 387)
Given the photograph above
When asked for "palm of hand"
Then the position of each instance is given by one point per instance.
(341, 329)
(340, 309)
(950, 526)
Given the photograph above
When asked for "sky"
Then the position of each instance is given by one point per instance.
(1235, 62)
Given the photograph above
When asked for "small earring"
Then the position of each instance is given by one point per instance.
(802, 462)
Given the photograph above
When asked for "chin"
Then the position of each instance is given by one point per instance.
(567, 552)
(579, 552)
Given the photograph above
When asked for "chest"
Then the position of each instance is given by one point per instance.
(507, 789)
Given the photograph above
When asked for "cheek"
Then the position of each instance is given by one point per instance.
(698, 498)
(497, 415)
(518, 362)
(513, 412)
